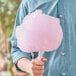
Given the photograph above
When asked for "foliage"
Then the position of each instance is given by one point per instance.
(7, 14)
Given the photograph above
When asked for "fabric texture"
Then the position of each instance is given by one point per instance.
(61, 62)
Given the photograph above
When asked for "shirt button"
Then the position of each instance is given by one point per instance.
(60, 16)
(15, 43)
(63, 54)
(64, 74)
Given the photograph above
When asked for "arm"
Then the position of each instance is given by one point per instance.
(16, 53)
(23, 61)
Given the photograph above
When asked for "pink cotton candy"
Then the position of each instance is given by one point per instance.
(39, 32)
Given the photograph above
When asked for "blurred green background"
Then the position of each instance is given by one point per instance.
(7, 14)
(8, 10)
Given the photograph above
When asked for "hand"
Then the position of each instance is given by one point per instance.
(37, 66)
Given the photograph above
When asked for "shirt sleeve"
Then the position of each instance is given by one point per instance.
(16, 53)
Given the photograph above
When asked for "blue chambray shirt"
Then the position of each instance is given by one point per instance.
(61, 62)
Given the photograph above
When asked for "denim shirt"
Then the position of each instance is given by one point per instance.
(61, 62)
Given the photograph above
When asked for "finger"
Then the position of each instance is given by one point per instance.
(43, 59)
(37, 75)
(35, 67)
(39, 63)
(38, 71)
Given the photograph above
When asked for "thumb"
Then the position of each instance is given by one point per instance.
(43, 59)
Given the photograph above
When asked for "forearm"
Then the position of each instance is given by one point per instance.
(24, 64)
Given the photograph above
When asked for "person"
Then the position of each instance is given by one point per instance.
(2, 61)
(61, 62)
